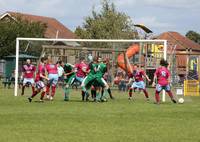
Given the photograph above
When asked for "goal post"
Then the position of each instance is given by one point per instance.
(19, 39)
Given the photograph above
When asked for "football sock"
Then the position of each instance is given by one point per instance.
(157, 97)
(42, 95)
(110, 93)
(98, 96)
(83, 95)
(33, 89)
(171, 96)
(130, 92)
(23, 88)
(34, 94)
(66, 97)
(47, 89)
(145, 93)
(53, 91)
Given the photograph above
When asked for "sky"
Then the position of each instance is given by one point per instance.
(158, 15)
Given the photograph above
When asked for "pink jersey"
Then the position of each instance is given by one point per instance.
(81, 69)
(162, 74)
(28, 70)
(52, 69)
(41, 70)
(138, 75)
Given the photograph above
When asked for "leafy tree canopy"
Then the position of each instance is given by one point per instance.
(193, 36)
(11, 29)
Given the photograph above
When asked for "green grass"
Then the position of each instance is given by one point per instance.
(118, 120)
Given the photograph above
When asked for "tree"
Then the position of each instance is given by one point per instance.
(193, 36)
(107, 24)
(10, 30)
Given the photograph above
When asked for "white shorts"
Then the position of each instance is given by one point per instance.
(28, 80)
(40, 85)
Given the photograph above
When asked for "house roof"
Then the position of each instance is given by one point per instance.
(55, 29)
(181, 42)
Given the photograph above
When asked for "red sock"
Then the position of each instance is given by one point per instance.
(33, 89)
(53, 90)
(34, 94)
(47, 89)
(130, 92)
(23, 88)
(157, 97)
(42, 95)
(82, 93)
(145, 93)
(170, 94)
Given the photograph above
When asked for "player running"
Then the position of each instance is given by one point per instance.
(162, 76)
(139, 83)
(52, 71)
(39, 79)
(28, 71)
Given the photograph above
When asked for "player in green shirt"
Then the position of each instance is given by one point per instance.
(100, 82)
(69, 78)
(87, 82)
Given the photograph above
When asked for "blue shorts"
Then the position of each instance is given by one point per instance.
(140, 85)
(80, 79)
(53, 79)
(159, 88)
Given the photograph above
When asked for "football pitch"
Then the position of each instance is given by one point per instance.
(118, 120)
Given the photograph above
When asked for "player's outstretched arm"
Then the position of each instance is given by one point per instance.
(42, 76)
(154, 81)
(146, 76)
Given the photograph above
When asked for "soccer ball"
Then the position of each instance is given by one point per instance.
(181, 100)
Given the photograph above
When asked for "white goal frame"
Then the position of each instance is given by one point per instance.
(82, 40)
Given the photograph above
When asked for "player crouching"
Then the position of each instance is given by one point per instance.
(40, 76)
(162, 75)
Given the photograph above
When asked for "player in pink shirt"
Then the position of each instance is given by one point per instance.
(39, 79)
(28, 71)
(52, 71)
(81, 72)
(162, 75)
(138, 75)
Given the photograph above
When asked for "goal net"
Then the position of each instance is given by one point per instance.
(121, 54)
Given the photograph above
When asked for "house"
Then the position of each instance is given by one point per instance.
(185, 51)
(55, 29)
